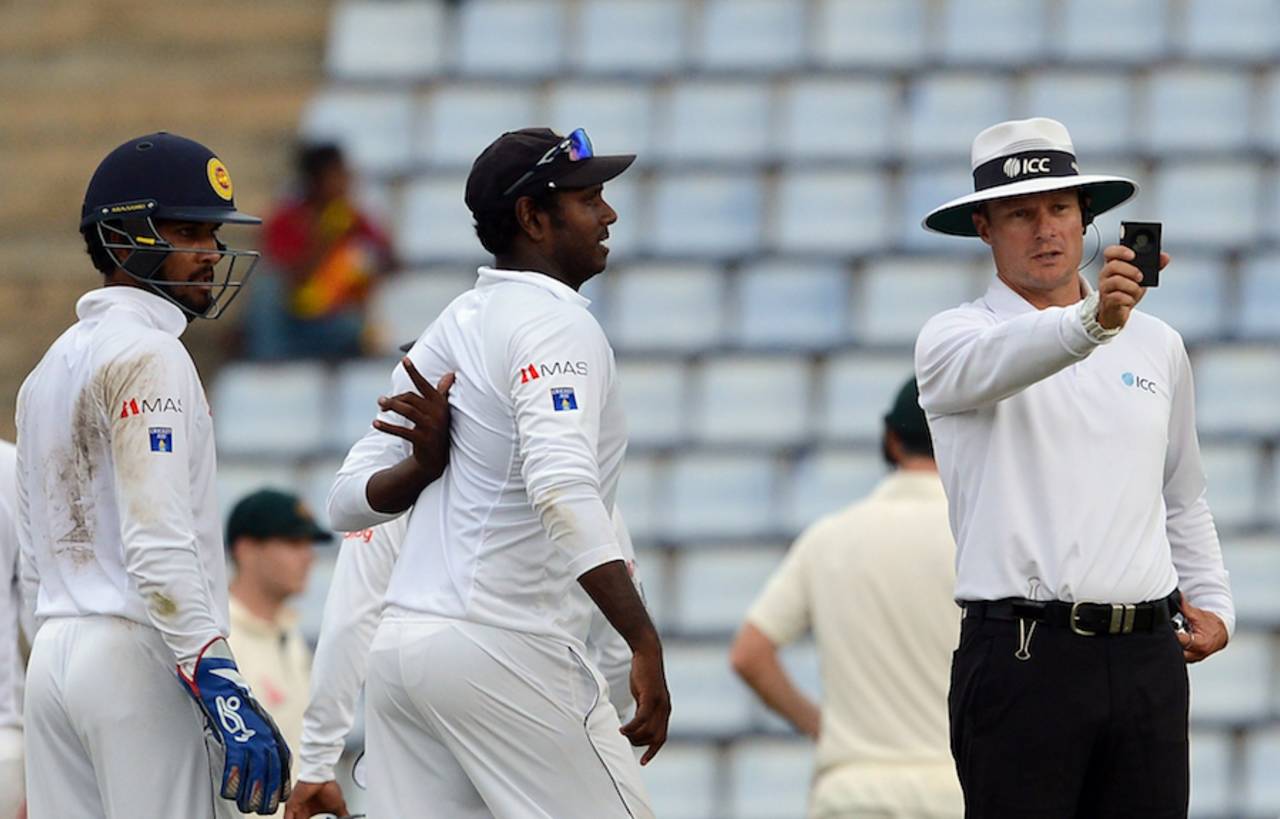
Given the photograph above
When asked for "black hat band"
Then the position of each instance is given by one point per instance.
(1019, 167)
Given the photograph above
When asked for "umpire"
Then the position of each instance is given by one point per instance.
(1064, 428)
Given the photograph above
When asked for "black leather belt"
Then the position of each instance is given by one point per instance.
(1085, 619)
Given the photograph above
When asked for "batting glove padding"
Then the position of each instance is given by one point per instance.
(246, 750)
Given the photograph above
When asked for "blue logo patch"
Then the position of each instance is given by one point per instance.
(562, 398)
(161, 439)
(1127, 378)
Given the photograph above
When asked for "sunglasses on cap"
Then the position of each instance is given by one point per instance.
(577, 145)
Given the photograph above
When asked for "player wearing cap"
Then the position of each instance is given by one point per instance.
(481, 700)
(1064, 425)
(351, 613)
(134, 706)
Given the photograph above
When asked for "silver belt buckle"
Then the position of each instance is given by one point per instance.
(1076, 628)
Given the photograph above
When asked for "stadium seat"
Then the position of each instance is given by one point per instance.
(636, 490)
(631, 36)
(1262, 760)
(827, 480)
(751, 401)
(1260, 297)
(836, 118)
(1234, 472)
(1212, 203)
(896, 296)
(651, 567)
(714, 587)
(1199, 109)
(270, 410)
(1235, 684)
(830, 212)
(870, 33)
(239, 477)
(1191, 297)
(1231, 29)
(618, 116)
(711, 699)
(769, 778)
(1074, 98)
(1254, 564)
(665, 307)
(1270, 123)
(711, 214)
(856, 391)
(946, 110)
(681, 780)
(1120, 31)
(626, 195)
(752, 35)
(715, 121)
(436, 225)
(357, 386)
(511, 37)
(1005, 32)
(708, 496)
(375, 128)
(397, 40)
(655, 395)
(791, 304)
(923, 188)
(460, 119)
(1210, 773)
(315, 479)
(404, 305)
(1237, 389)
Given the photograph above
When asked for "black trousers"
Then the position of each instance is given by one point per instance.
(1090, 727)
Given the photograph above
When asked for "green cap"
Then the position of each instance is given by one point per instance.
(271, 513)
(906, 418)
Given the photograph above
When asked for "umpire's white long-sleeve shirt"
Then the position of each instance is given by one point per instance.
(117, 511)
(1072, 466)
(538, 441)
(352, 610)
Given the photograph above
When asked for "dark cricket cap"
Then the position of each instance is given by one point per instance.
(271, 513)
(906, 417)
(513, 154)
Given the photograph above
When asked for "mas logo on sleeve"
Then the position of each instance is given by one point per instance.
(535, 371)
(138, 406)
(161, 439)
(563, 399)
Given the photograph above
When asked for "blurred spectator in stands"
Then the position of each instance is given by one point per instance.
(270, 534)
(322, 255)
(874, 582)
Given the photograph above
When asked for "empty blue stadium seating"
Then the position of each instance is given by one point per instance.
(1214, 203)
(460, 119)
(880, 33)
(375, 128)
(271, 410)
(836, 118)
(1009, 32)
(1074, 98)
(404, 305)
(655, 394)
(718, 495)
(1210, 773)
(923, 188)
(791, 303)
(713, 702)
(715, 587)
(831, 212)
(753, 35)
(827, 480)
(769, 778)
(1224, 375)
(946, 110)
(652, 570)
(1262, 760)
(238, 477)
(435, 223)
(315, 479)
(1231, 29)
(394, 40)
(637, 488)
(857, 390)
(1199, 109)
(715, 121)
(707, 214)
(1191, 296)
(1254, 564)
(618, 116)
(1270, 122)
(681, 780)
(665, 307)
(752, 401)
(357, 385)
(631, 36)
(1119, 31)
(1235, 684)
(513, 37)
(897, 295)
(1234, 471)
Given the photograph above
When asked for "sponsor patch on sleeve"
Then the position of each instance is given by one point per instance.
(161, 439)
(562, 399)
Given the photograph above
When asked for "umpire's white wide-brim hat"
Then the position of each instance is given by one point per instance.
(1025, 156)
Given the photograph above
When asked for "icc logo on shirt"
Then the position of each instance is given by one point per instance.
(1145, 384)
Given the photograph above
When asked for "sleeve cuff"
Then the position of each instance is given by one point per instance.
(1093, 331)
(598, 556)
(318, 771)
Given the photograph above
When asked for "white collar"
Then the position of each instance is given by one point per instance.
(493, 275)
(1004, 302)
(155, 311)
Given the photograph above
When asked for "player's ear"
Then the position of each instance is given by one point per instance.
(531, 219)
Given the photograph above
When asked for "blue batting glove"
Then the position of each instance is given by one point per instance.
(245, 746)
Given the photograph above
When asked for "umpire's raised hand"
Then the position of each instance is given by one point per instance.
(1120, 286)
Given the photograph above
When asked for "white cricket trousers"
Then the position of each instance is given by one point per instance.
(110, 733)
(465, 721)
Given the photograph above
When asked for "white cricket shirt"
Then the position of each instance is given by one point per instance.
(538, 440)
(874, 583)
(11, 668)
(1072, 467)
(116, 500)
(352, 610)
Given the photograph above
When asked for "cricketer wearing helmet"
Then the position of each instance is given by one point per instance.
(134, 705)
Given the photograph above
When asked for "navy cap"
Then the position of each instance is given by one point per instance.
(164, 176)
(272, 513)
(907, 418)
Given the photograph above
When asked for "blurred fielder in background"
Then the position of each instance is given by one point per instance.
(874, 584)
(1064, 423)
(118, 519)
